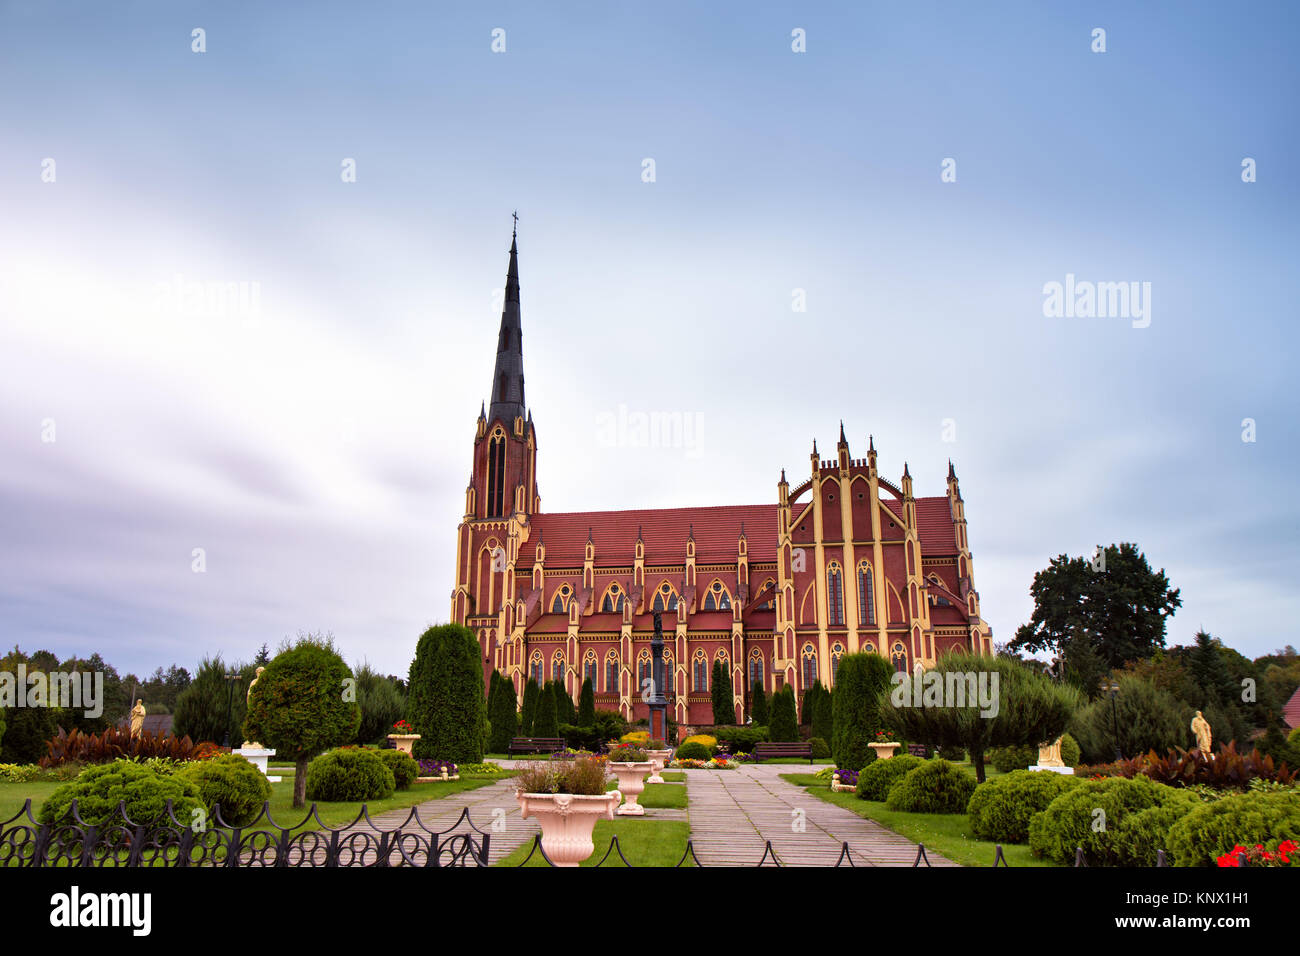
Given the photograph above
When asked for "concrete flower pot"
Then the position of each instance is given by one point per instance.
(884, 751)
(567, 820)
(631, 782)
(660, 760)
(404, 742)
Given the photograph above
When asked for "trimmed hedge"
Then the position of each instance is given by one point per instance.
(1212, 829)
(349, 775)
(403, 766)
(231, 782)
(99, 789)
(936, 786)
(1001, 808)
(1088, 815)
(878, 776)
(693, 751)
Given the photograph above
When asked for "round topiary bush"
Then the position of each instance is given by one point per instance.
(403, 766)
(100, 788)
(936, 786)
(230, 782)
(1010, 759)
(1001, 808)
(877, 777)
(1071, 820)
(349, 774)
(1070, 753)
(1139, 836)
(693, 751)
(1213, 829)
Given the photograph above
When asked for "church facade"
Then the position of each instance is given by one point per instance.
(845, 560)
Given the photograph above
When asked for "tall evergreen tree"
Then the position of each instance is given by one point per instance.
(783, 726)
(503, 716)
(587, 704)
(758, 704)
(528, 715)
(564, 710)
(861, 683)
(724, 711)
(823, 722)
(545, 724)
(445, 701)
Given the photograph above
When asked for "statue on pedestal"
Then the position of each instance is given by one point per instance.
(1201, 727)
(252, 744)
(137, 718)
(1049, 754)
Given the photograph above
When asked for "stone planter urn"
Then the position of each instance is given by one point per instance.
(404, 742)
(567, 820)
(884, 751)
(660, 760)
(631, 782)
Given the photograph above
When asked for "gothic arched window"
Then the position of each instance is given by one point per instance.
(665, 598)
(755, 667)
(717, 598)
(835, 595)
(809, 661)
(836, 653)
(496, 473)
(866, 594)
(611, 673)
(700, 673)
(899, 658)
(589, 669)
(559, 605)
(612, 603)
(536, 669)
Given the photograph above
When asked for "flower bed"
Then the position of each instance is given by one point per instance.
(431, 770)
(1240, 856)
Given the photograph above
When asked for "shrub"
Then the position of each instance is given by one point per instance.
(878, 776)
(1213, 829)
(99, 789)
(823, 720)
(19, 773)
(381, 703)
(230, 782)
(1068, 821)
(724, 710)
(936, 786)
(586, 704)
(1001, 808)
(639, 737)
(445, 702)
(113, 744)
(1139, 835)
(954, 753)
(1010, 759)
(207, 709)
(821, 750)
(758, 704)
(705, 740)
(1228, 769)
(546, 723)
(349, 775)
(582, 776)
(1070, 752)
(403, 766)
(693, 751)
(861, 683)
(740, 740)
(1147, 717)
(528, 709)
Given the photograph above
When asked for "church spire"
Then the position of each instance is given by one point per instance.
(508, 377)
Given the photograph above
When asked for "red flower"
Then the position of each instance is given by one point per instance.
(1228, 859)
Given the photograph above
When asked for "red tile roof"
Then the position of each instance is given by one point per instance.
(933, 523)
(1291, 711)
(664, 530)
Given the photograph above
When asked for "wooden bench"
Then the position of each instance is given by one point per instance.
(762, 751)
(536, 745)
(918, 750)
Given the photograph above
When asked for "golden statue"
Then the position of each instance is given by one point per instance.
(1201, 727)
(252, 744)
(1049, 754)
(137, 718)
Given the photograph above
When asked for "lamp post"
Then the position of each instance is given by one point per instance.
(1112, 688)
(231, 680)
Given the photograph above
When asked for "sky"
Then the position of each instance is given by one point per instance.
(860, 231)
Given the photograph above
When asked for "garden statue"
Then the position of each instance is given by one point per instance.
(137, 718)
(1049, 754)
(1201, 727)
(252, 744)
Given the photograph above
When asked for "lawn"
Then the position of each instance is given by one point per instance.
(945, 833)
(666, 795)
(644, 842)
(12, 796)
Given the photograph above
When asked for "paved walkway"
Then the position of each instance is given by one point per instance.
(732, 813)
(735, 812)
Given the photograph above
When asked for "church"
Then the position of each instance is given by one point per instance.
(844, 560)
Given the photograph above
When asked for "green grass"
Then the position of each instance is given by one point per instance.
(674, 776)
(662, 795)
(644, 842)
(945, 833)
(12, 796)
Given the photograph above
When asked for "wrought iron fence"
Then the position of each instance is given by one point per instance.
(769, 857)
(119, 841)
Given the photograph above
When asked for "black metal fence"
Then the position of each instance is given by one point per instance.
(168, 842)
